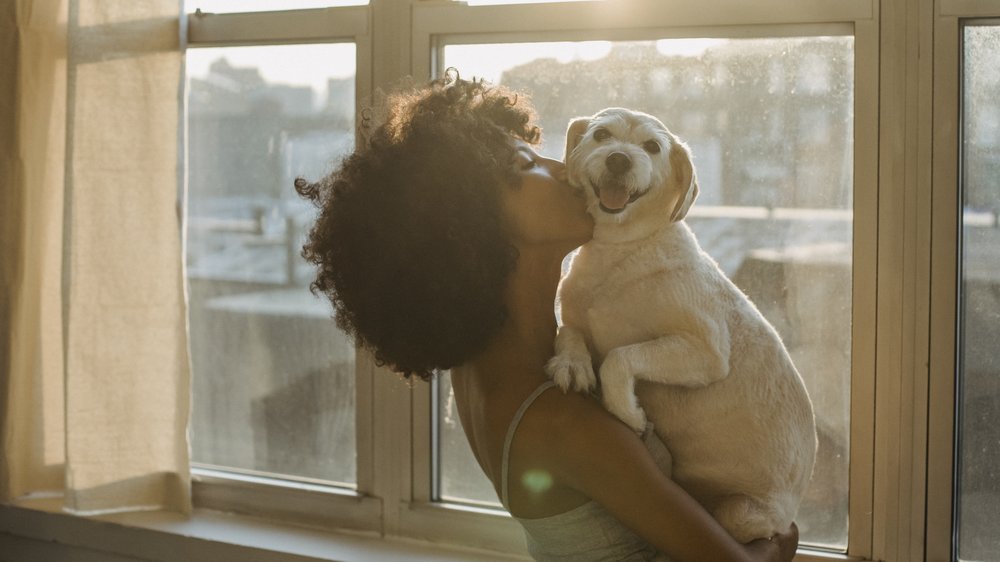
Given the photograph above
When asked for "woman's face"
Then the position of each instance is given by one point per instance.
(545, 209)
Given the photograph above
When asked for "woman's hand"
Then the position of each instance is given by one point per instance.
(780, 547)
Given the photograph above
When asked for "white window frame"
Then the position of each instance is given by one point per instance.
(905, 271)
(439, 22)
(944, 28)
(242, 492)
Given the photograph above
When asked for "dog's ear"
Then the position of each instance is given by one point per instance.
(684, 178)
(574, 134)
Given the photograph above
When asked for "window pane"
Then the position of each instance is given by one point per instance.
(979, 391)
(464, 482)
(231, 6)
(273, 377)
(770, 123)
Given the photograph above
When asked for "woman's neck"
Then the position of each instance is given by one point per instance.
(524, 343)
(530, 299)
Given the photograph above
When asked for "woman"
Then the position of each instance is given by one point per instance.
(440, 243)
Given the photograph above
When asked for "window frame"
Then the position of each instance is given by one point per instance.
(435, 23)
(236, 491)
(905, 270)
(947, 25)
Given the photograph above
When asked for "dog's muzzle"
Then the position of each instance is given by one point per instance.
(613, 193)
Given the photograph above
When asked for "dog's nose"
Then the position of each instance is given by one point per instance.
(618, 162)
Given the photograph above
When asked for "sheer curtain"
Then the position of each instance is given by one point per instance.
(94, 377)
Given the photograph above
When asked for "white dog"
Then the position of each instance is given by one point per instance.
(643, 301)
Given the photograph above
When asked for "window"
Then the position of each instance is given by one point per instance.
(277, 425)
(979, 309)
(808, 123)
(775, 165)
(273, 377)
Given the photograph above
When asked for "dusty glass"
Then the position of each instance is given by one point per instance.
(771, 124)
(462, 480)
(273, 377)
(979, 366)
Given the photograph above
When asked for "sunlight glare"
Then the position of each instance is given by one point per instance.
(693, 47)
(490, 61)
(292, 65)
(592, 50)
(537, 480)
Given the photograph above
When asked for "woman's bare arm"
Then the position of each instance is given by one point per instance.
(589, 450)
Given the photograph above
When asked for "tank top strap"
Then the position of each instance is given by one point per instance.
(514, 422)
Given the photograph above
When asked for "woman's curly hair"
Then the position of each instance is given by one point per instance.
(410, 244)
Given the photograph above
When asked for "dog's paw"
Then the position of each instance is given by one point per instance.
(569, 371)
(618, 387)
(633, 416)
(748, 518)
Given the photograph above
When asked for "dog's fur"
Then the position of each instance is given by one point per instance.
(643, 301)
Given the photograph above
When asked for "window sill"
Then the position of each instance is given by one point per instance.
(38, 526)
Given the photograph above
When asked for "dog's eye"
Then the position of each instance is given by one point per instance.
(602, 134)
(651, 147)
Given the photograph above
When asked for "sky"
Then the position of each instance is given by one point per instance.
(298, 65)
(312, 65)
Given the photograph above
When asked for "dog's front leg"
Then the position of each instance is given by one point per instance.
(618, 389)
(572, 365)
(680, 359)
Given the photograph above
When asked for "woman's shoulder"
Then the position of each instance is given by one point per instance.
(549, 444)
(566, 428)
(566, 409)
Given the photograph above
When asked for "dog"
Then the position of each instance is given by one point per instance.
(674, 338)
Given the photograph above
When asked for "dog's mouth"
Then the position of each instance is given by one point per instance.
(614, 198)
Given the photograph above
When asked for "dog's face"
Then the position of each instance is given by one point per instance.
(627, 160)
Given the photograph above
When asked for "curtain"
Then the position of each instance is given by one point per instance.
(94, 369)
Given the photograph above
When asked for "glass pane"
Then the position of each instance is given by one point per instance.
(770, 123)
(465, 482)
(979, 391)
(232, 6)
(273, 377)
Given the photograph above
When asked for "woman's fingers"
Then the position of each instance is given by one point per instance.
(787, 542)
(780, 547)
